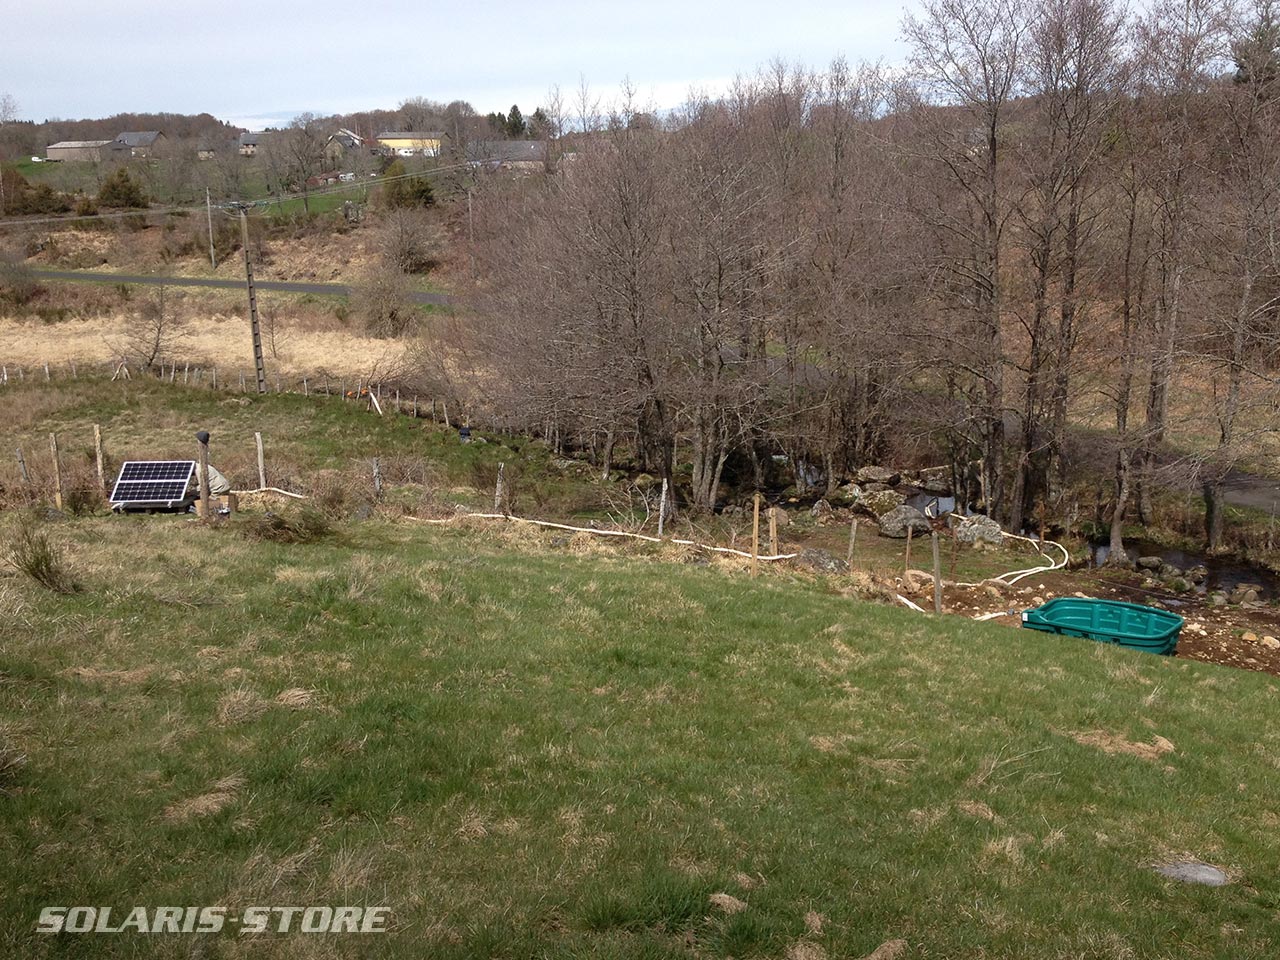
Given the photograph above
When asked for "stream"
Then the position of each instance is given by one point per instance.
(1225, 573)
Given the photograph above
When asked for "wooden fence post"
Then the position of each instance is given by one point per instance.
(499, 490)
(755, 534)
(937, 574)
(773, 531)
(22, 467)
(853, 539)
(377, 478)
(262, 462)
(98, 457)
(57, 470)
(662, 508)
(202, 440)
(906, 564)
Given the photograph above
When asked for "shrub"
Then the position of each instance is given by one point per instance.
(42, 561)
(121, 191)
(305, 526)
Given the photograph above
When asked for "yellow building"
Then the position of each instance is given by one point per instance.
(413, 144)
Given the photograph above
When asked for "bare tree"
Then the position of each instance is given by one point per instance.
(966, 54)
(153, 333)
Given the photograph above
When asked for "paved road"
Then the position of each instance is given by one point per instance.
(329, 289)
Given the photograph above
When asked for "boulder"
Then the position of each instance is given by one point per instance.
(976, 529)
(936, 480)
(850, 491)
(1150, 563)
(897, 521)
(877, 475)
(1179, 584)
(881, 502)
(781, 518)
(1217, 599)
(821, 561)
(877, 487)
(1198, 574)
(821, 511)
(1169, 571)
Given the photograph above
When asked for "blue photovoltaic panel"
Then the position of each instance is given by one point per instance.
(153, 481)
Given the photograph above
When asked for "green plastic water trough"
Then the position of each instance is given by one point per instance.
(1108, 621)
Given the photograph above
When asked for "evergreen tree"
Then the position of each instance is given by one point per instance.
(121, 190)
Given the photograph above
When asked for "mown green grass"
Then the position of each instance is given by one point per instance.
(528, 746)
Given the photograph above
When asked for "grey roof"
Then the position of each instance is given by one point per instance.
(139, 138)
(507, 151)
(411, 135)
(79, 143)
(251, 139)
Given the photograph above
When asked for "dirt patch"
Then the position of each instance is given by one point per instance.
(1112, 744)
(978, 809)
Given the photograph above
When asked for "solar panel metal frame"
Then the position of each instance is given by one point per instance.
(153, 484)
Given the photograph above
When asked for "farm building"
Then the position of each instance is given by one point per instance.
(410, 144)
(518, 155)
(341, 144)
(249, 143)
(90, 150)
(138, 143)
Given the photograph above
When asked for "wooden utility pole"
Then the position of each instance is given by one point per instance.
(208, 209)
(262, 463)
(57, 471)
(202, 439)
(254, 327)
(98, 457)
(755, 535)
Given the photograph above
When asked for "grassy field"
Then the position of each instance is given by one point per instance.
(541, 744)
(527, 745)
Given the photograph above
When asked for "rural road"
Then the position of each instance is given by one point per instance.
(330, 289)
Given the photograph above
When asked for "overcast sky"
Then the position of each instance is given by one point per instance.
(254, 63)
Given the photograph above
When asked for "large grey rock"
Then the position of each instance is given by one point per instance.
(979, 529)
(850, 491)
(1149, 563)
(877, 475)
(935, 480)
(896, 522)
(821, 560)
(877, 487)
(1168, 570)
(1198, 573)
(881, 502)
(821, 511)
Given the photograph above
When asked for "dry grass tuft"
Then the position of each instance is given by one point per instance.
(221, 795)
(978, 809)
(889, 950)
(240, 706)
(804, 950)
(727, 903)
(813, 923)
(295, 698)
(1112, 744)
(123, 677)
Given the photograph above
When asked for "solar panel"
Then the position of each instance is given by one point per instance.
(153, 483)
